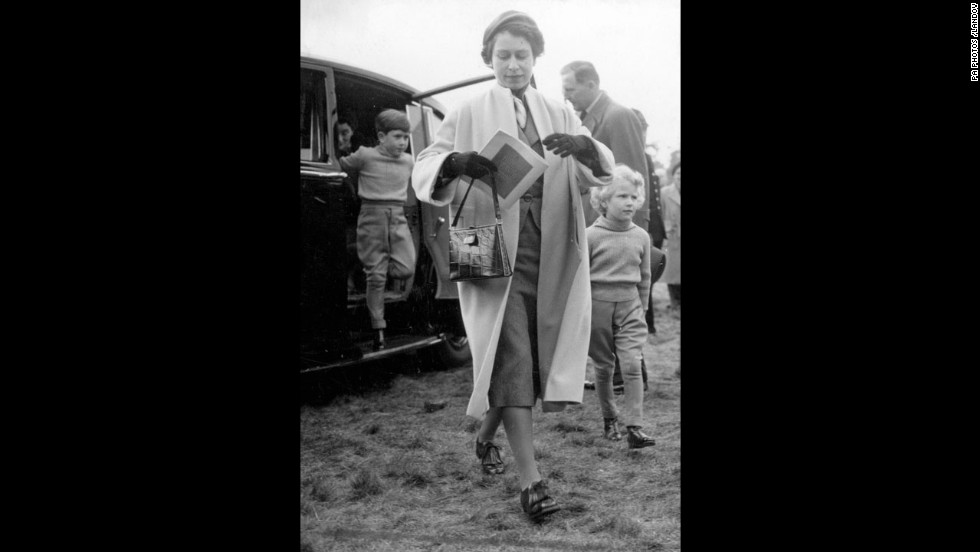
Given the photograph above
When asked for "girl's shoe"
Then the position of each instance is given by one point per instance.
(610, 429)
(637, 439)
(489, 456)
(536, 503)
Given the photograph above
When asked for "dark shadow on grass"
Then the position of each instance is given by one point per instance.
(323, 387)
(565, 427)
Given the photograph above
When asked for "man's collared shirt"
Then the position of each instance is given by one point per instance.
(591, 105)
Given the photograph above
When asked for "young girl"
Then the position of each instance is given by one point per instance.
(619, 253)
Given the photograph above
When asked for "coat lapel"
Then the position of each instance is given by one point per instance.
(503, 112)
(589, 121)
(594, 116)
(539, 112)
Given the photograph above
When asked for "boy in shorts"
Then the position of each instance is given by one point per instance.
(384, 241)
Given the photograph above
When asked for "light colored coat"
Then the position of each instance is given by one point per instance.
(670, 200)
(564, 299)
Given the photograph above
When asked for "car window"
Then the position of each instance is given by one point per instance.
(312, 114)
(359, 100)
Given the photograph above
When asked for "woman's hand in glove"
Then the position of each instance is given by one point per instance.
(566, 144)
(470, 164)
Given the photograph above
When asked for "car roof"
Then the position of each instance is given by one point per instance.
(432, 102)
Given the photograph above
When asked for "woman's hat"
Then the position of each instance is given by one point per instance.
(509, 16)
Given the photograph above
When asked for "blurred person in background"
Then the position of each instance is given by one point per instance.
(344, 133)
(656, 227)
(529, 337)
(347, 139)
(670, 199)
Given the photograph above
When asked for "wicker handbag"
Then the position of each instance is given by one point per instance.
(478, 252)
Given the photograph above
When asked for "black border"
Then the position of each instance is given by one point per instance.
(824, 141)
(204, 268)
(803, 236)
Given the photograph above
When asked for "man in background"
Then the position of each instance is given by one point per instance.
(611, 123)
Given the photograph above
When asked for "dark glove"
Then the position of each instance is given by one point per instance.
(470, 164)
(566, 144)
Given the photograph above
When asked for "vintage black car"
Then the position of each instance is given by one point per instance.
(422, 312)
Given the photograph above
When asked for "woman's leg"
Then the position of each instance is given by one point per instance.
(488, 428)
(486, 450)
(520, 435)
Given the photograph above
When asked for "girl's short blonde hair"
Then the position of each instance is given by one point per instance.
(621, 174)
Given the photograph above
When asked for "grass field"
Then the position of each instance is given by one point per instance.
(381, 471)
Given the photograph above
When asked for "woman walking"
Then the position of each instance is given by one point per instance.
(529, 334)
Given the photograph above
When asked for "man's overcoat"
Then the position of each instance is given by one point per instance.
(619, 128)
(564, 299)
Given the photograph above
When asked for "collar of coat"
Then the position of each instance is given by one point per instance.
(503, 100)
(594, 116)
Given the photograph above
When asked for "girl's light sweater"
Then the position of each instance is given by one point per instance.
(619, 260)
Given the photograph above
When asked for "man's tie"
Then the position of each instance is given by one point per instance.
(521, 112)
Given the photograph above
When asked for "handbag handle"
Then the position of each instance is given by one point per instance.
(496, 202)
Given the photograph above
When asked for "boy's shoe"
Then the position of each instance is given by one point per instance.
(489, 456)
(610, 429)
(637, 439)
(536, 503)
(379, 340)
(589, 384)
